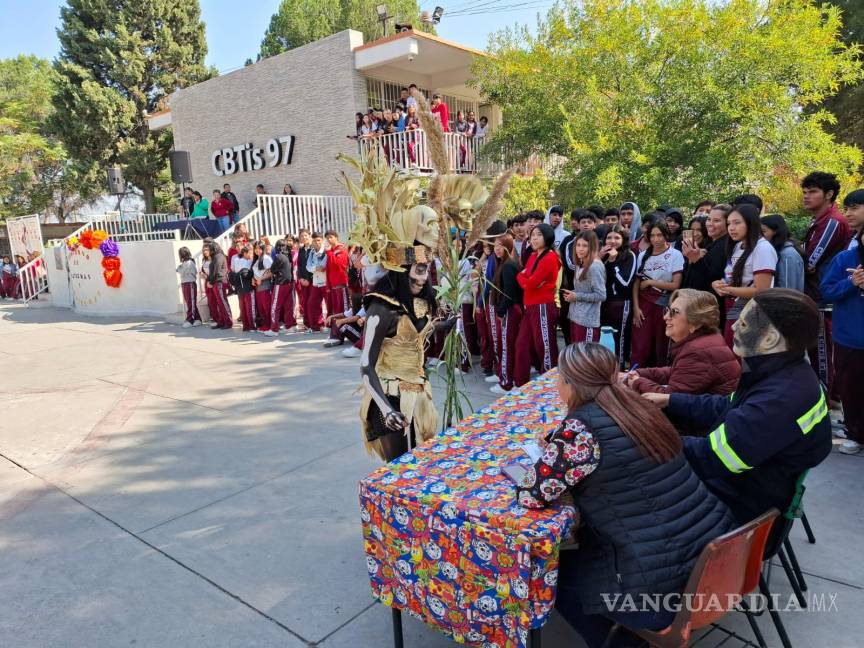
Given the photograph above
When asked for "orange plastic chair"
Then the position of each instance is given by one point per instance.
(729, 566)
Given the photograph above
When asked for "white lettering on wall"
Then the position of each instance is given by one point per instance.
(278, 151)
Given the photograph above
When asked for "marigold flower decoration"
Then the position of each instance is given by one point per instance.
(86, 239)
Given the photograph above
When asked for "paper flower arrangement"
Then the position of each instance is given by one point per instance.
(99, 240)
(73, 243)
(111, 271)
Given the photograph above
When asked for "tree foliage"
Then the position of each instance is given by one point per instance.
(298, 22)
(526, 192)
(673, 100)
(36, 175)
(119, 60)
(848, 104)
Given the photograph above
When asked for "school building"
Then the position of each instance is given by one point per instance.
(285, 119)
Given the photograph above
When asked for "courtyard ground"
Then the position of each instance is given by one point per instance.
(173, 487)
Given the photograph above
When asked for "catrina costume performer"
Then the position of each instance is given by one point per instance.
(397, 236)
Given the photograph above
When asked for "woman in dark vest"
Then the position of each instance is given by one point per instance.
(645, 515)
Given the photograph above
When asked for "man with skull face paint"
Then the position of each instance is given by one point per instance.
(776, 424)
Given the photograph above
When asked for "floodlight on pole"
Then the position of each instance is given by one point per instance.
(381, 10)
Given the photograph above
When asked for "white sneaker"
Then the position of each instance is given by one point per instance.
(838, 432)
(850, 447)
(271, 333)
(187, 325)
(214, 325)
(332, 343)
(351, 352)
(491, 379)
(197, 323)
(498, 389)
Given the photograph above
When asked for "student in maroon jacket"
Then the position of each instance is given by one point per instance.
(337, 299)
(702, 362)
(539, 281)
(828, 235)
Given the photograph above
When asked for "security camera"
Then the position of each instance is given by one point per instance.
(410, 58)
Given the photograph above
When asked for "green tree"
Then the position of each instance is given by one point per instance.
(672, 100)
(35, 173)
(526, 192)
(848, 104)
(298, 22)
(118, 61)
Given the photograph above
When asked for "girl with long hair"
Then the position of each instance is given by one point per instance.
(790, 256)
(659, 270)
(536, 343)
(620, 265)
(751, 265)
(506, 300)
(204, 275)
(646, 514)
(189, 285)
(589, 288)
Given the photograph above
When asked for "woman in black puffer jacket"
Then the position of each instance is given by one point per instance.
(646, 515)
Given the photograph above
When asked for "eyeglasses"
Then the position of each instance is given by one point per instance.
(671, 312)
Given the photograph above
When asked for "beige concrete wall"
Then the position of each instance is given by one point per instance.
(311, 92)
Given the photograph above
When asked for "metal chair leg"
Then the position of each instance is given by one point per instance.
(793, 579)
(753, 625)
(610, 637)
(535, 638)
(398, 642)
(775, 616)
(795, 566)
(810, 537)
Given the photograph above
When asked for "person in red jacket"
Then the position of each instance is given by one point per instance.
(336, 297)
(539, 281)
(702, 362)
(827, 236)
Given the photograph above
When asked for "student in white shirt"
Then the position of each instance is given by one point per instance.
(241, 269)
(751, 265)
(263, 285)
(659, 271)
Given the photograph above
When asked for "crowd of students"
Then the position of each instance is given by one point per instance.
(402, 117)
(669, 294)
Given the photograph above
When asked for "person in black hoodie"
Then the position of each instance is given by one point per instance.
(217, 280)
(620, 264)
(506, 299)
(282, 302)
(707, 264)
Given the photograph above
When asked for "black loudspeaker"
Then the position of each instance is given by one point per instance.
(116, 184)
(181, 167)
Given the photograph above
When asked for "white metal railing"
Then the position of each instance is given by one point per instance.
(409, 150)
(33, 279)
(116, 225)
(280, 215)
(162, 235)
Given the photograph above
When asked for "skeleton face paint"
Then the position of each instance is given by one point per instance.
(419, 275)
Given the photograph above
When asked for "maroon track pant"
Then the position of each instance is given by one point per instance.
(536, 342)
(650, 344)
(190, 298)
(313, 314)
(848, 379)
(223, 315)
(509, 332)
(282, 306)
(263, 299)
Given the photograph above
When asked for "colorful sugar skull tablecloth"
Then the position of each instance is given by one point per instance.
(445, 539)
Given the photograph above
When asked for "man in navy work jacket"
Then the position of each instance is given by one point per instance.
(776, 424)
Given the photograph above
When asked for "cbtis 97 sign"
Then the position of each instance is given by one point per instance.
(244, 157)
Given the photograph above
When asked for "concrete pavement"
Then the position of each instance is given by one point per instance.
(162, 486)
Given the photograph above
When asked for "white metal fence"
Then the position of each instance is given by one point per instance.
(117, 225)
(280, 215)
(33, 279)
(409, 150)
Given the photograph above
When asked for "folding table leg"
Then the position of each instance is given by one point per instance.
(397, 628)
(535, 638)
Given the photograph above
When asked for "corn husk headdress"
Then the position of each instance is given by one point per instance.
(391, 227)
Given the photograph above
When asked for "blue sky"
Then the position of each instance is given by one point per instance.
(235, 28)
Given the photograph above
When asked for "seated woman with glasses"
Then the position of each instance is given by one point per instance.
(702, 363)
